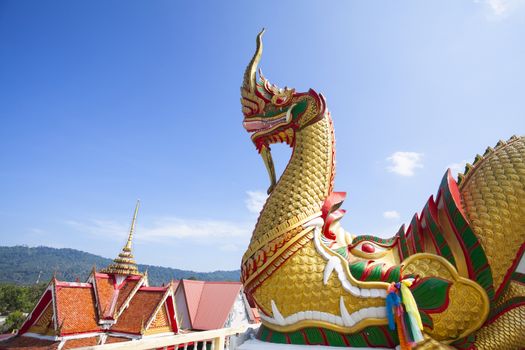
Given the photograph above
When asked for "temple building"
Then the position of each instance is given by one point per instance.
(207, 305)
(115, 304)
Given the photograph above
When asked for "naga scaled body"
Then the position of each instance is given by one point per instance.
(317, 284)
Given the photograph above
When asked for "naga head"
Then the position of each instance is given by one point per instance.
(272, 114)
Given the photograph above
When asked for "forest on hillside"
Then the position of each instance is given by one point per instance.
(23, 265)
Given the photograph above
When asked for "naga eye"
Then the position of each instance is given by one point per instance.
(368, 248)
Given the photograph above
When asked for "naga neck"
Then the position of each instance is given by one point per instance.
(305, 183)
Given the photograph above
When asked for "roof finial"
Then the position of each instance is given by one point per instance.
(124, 264)
(127, 248)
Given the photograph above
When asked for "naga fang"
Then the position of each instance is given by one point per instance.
(450, 280)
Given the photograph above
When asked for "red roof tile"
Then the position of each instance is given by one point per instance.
(209, 303)
(192, 293)
(139, 311)
(174, 285)
(75, 304)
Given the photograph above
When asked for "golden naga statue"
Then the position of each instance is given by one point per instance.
(450, 280)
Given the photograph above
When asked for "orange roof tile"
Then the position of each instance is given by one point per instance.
(104, 289)
(126, 290)
(111, 296)
(75, 304)
(139, 311)
(112, 339)
(78, 343)
(28, 343)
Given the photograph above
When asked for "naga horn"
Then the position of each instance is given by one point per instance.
(249, 74)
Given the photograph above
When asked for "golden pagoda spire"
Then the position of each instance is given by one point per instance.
(127, 247)
(124, 263)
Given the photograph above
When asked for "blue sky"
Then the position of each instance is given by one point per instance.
(104, 102)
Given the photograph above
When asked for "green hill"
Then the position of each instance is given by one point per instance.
(23, 265)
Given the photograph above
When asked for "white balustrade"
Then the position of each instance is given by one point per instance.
(215, 337)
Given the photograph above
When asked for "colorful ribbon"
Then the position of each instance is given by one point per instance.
(403, 314)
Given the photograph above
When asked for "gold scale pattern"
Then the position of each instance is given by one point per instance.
(515, 289)
(466, 305)
(506, 333)
(492, 339)
(494, 201)
(432, 344)
(282, 253)
(298, 286)
(304, 184)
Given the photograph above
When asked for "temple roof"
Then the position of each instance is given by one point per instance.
(75, 308)
(124, 263)
(114, 305)
(113, 291)
(209, 303)
(141, 308)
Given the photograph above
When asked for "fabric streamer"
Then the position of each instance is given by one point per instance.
(403, 314)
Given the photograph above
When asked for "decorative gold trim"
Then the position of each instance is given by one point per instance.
(278, 231)
(323, 324)
(277, 254)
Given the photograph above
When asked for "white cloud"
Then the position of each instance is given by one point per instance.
(499, 9)
(230, 247)
(105, 228)
(404, 163)
(168, 229)
(391, 214)
(255, 201)
(457, 167)
(37, 231)
(178, 228)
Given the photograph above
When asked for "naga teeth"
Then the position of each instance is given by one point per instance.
(329, 268)
(278, 317)
(365, 293)
(346, 319)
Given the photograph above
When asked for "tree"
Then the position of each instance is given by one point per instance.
(13, 321)
(19, 298)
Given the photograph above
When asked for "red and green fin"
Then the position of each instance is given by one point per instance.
(433, 231)
(477, 263)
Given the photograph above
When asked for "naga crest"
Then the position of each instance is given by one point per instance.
(273, 114)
